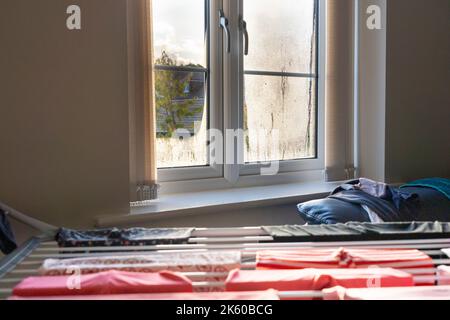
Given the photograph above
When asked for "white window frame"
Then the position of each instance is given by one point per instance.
(214, 55)
(225, 101)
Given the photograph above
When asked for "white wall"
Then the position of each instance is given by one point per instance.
(372, 94)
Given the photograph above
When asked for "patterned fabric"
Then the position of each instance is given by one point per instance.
(104, 283)
(211, 262)
(122, 237)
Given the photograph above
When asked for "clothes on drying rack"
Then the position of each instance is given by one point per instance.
(267, 295)
(211, 262)
(344, 258)
(300, 259)
(392, 258)
(104, 283)
(122, 237)
(401, 259)
(444, 275)
(403, 293)
(354, 231)
(316, 279)
(7, 240)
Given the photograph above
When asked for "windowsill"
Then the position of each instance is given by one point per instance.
(196, 203)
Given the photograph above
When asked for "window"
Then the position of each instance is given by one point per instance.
(260, 74)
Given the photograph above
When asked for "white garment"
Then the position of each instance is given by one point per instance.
(446, 251)
(444, 275)
(374, 218)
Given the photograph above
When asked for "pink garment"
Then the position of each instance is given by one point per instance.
(104, 283)
(233, 296)
(299, 259)
(316, 279)
(412, 293)
(390, 258)
(343, 258)
(444, 275)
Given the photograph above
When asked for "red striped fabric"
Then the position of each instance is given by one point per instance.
(315, 279)
(401, 259)
(343, 258)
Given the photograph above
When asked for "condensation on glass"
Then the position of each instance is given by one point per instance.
(180, 79)
(280, 80)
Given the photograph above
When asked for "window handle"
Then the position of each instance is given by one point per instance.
(243, 25)
(226, 29)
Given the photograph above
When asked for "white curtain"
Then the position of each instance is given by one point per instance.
(143, 166)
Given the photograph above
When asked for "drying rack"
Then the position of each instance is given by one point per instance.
(26, 260)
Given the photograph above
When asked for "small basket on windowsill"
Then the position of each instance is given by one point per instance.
(147, 192)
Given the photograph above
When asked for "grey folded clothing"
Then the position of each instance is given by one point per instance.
(354, 231)
(122, 237)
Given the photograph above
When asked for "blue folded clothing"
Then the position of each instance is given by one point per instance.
(364, 200)
(439, 184)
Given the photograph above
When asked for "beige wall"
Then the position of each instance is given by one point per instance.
(244, 217)
(63, 110)
(418, 89)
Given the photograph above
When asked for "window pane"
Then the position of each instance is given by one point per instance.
(281, 35)
(283, 108)
(179, 30)
(181, 119)
(182, 110)
(280, 109)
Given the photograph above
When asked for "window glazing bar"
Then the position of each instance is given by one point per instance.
(280, 74)
(180, 68)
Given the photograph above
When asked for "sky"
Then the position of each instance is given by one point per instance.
(179, 26)
(179, 29)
